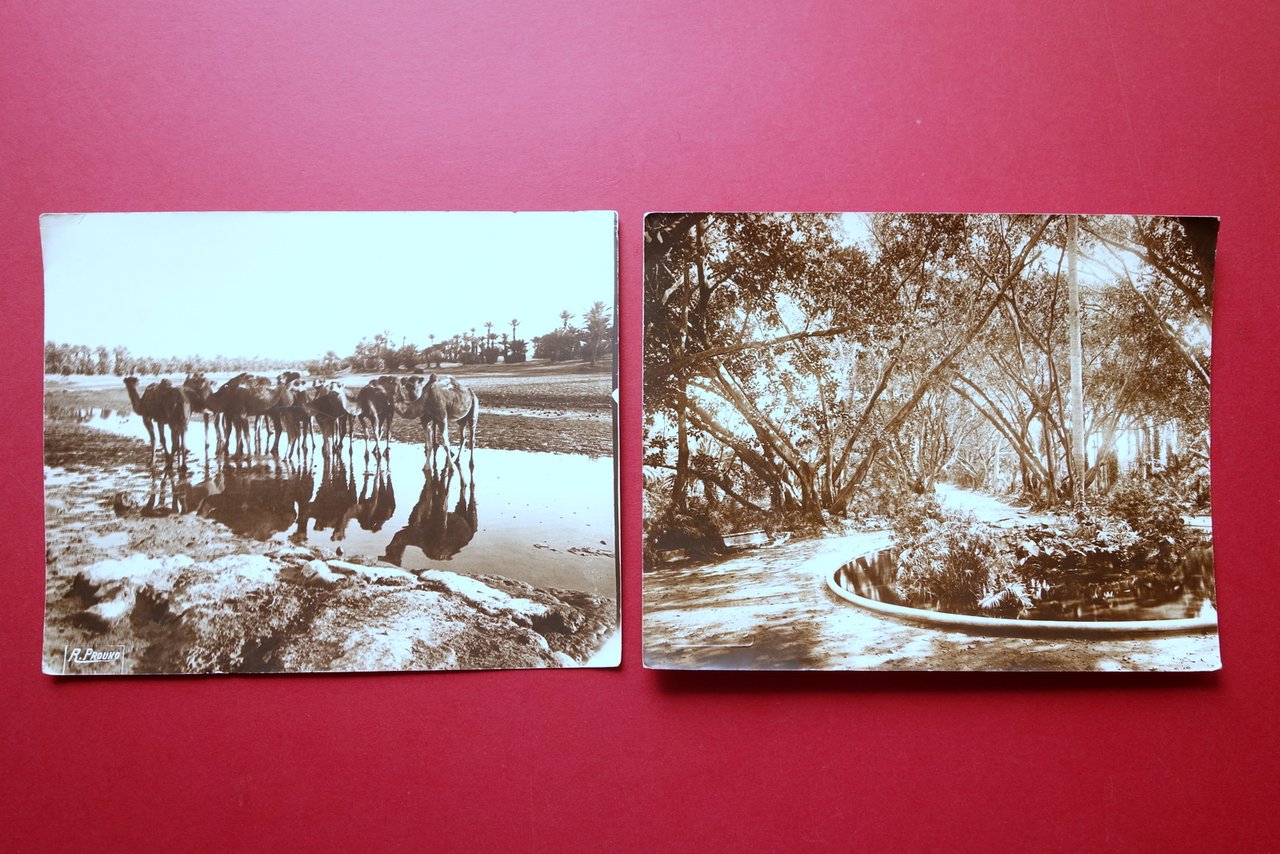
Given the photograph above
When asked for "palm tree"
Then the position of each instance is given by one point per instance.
(514, 324)
(565, 317)
(597, 324)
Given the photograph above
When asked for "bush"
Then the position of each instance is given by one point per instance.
(913, 517)
(957, 564)
(1154, 514)
(670, 528)
(690, 530)
(1074, 542)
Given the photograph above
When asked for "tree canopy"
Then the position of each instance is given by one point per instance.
(797, 369)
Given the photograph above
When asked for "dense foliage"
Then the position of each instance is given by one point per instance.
(67, 359)
(959, 564)
(952, 562)
(803, 372)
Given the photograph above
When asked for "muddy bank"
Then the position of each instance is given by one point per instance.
(577, 432)
(181, 593)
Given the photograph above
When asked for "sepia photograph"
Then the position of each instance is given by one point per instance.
(924, 441)
(329, 441)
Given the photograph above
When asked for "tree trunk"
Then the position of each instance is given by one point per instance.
(679, 485)
(1077, 373)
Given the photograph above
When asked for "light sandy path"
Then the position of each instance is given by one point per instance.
(770, 609)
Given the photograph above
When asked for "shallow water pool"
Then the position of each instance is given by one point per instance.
(546, 519)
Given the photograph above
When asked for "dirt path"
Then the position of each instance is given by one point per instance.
(986, 508)
(770, 609)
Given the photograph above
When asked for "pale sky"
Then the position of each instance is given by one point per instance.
(857, 230)
(294, 285)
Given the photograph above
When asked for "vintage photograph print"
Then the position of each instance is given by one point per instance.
(928, 442)
(322, 441)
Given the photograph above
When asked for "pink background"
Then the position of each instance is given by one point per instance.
(638, 106)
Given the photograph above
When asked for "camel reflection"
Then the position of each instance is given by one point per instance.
(377, 502)
(258, 500)
(337, 502)
(168, 496)
(440, 533)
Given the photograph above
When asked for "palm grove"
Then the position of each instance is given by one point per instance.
(479, 344)
(793, 375)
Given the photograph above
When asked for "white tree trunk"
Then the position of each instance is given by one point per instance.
(1077, 371)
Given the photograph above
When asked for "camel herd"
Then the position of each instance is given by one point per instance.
(287, 406)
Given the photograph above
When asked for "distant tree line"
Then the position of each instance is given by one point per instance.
(66, 359)
(484, 344)
(480, 344)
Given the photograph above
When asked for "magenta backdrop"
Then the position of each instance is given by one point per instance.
(1088, 106)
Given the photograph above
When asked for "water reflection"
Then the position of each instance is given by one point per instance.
(377, 502)
(255, 500)
(438, 532)
(79, 414)
(260, 499)
(336, 502)
(1100, 591)
(548, 517)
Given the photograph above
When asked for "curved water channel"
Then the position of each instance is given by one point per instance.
(542, 518)
(1181, 591)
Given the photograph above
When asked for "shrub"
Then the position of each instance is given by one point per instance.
(1154, 514)
(1074, 542)
(912, 518)
(957, 563)
(690, 530)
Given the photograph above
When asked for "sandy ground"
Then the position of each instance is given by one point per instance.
(770, 609)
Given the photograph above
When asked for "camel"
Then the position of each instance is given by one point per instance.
(334, 408)
(147, 406)
(202, 398)
(257, 397)
(162, 405)
(222, 402)
(296, 417)
(377, 404)
(380, 401)
(410, 390)
(444, 400)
